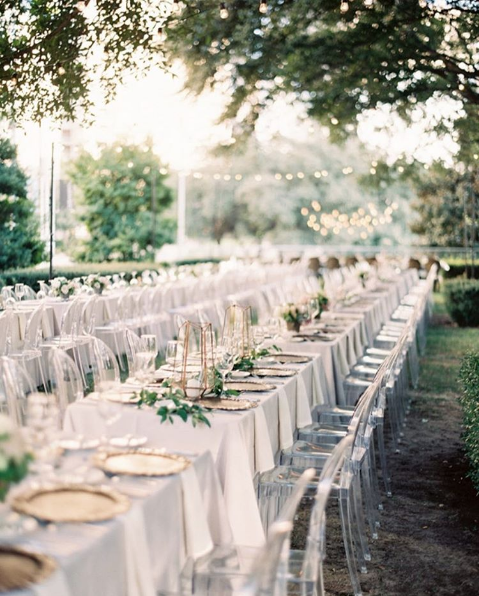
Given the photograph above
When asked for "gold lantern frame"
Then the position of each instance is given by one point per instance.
(237, 326)
(188, 331)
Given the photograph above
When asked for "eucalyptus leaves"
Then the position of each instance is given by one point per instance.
(247, 363)
(14, 457)
(172, 404)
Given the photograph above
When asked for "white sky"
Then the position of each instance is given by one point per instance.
(183, 127)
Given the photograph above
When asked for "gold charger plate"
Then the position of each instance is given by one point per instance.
(249, 386)
(231, 403)
(141, 462)
(273, 372)
(64, 503)
(21, 568)
(291, 359)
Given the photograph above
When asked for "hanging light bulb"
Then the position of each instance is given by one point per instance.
(344, 6)
(263, 7)
(223, 11)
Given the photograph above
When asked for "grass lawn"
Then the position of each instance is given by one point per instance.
(446, 346)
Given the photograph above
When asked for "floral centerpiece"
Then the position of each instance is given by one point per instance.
(63, 287)
(320, 303)
(14, 456)
(97, 283)
(294, 315)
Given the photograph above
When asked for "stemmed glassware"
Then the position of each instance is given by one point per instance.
(19, 291)
(108, 409)
(42, 418)
(146, 357)
(225, 359)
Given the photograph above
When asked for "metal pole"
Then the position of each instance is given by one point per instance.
(181, 233)
(153, 211)
(50, 207)
(473, 232)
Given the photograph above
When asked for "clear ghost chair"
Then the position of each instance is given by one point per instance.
(104, 364)
(29, 293)
(28, 351)
(225, 568)
(15, 386)
(65, 379)
(274, 486)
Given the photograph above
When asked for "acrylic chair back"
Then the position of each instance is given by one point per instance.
(104, 363)
(339, 461)
(65, 378)
(16, 385)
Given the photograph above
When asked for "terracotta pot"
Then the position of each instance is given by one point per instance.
(293, 326)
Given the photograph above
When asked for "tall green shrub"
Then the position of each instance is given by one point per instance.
(462, 301)
(469, 399)
(20, 243)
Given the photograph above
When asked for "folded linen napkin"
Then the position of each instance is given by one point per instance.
(198, 539)
(303, 410)
(139, 577)
(285, 430)
(55, 585)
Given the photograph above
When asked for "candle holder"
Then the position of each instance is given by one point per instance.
(237, 327)
(195, 359)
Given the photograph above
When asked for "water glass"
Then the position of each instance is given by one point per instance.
(19, 291)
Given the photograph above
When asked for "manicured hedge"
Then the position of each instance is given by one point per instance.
(469, 399)
(459, 270)
(31, 277)
(462, 301)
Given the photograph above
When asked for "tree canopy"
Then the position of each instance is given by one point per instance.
(117, 205)
(340, 59)
(20, 243)
(53, 53)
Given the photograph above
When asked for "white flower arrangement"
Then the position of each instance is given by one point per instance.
(98, 283)
(14, 456)
(63, 287)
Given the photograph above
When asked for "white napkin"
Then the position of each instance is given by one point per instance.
(318, 395)
(197, 533)
(55, 585)
(139, 576)
(22, 324)
(263, 452)
(285, 431)
(303, 411)
(351, 354)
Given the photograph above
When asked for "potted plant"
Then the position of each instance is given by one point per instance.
(63, 288)
(294, 316)
(320, 303)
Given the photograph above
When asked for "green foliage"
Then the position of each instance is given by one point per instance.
(118, 211)
(31, 277)
(177, 405)
(19, 235)
(339, 64)
(264, 186)
(218, 388)
(469, 399)
(247, 363)
(53, 53)
(462, 301)
(461, 269)
(14, 473)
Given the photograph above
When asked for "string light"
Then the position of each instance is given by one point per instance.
(344, 7)
(161, 35)
(263, 7)
(224, 14)
(81, 5)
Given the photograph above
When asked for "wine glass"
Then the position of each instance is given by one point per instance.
(108, 409)
(147, 356)
(225, 358)
(19, 291)
(258, 336)
(42, 419)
